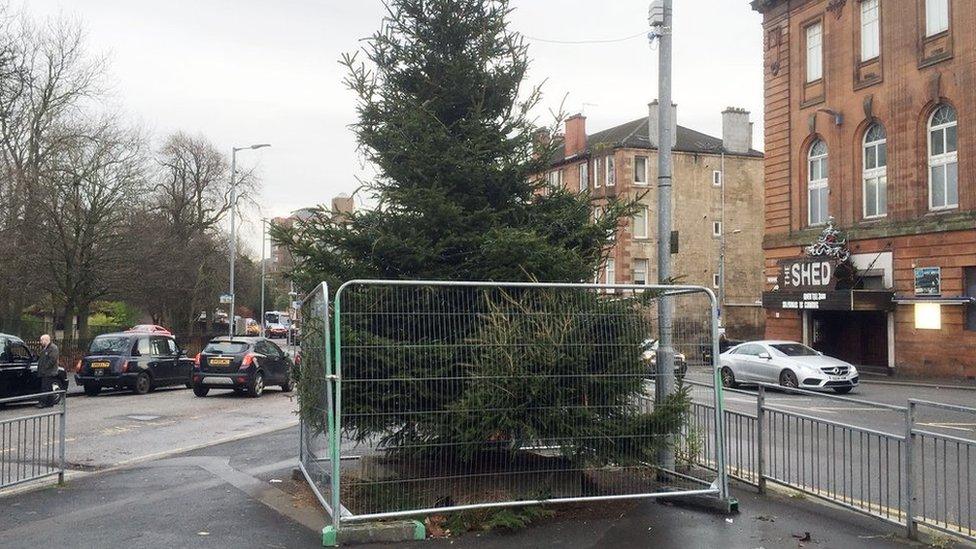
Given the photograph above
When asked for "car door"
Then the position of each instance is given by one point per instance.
(269, 361)
(182, 366)
(283, 362)
(745, 362)
(766, 368)
(162, 364)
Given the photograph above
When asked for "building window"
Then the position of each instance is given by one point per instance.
(936, 16)
(611, 178)
(817, 189)
(584, 176)
(716, 280)
(640, 271)
(611, 271)
(556, 179)
(814, 52)
(870, 29)
(596, 173)
(640, 223)
(716, 178)
(717, 228)
(943, 159)
(640, 170)
(970, 280)
(875, 175)
(597, 213)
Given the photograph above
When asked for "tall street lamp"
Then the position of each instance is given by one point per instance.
(233, 225)
(264, 238)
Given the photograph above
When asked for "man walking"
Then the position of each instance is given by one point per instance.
(47, 369)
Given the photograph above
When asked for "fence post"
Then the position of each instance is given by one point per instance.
(760, 440)
(723, 473)
(63, 422)
(909, 471)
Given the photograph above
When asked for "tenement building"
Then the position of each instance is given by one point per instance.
(870, 203)
(717, 194)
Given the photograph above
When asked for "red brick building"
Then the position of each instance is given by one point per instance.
(870, 121)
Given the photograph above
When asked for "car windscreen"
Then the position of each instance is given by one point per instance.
(225, 348)
(110, 345)
(794, 349)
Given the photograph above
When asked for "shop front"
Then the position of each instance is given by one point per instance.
(838, 316)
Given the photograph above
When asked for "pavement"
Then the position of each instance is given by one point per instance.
(241, 494)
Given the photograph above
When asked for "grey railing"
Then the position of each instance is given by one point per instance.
(928, 482)
(32, 442)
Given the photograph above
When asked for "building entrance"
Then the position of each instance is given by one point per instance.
(858, 337)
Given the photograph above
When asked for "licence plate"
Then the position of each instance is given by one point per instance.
(97, 365)
(219, 362)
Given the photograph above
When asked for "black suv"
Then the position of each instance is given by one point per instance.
(18, 369)
(244, 364)
(136, 360)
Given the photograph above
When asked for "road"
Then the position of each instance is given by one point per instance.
(120, 427)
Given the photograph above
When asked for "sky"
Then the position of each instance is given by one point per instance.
(249, 71)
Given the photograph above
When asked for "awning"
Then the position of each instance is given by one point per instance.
(831, 300)
(912, 300)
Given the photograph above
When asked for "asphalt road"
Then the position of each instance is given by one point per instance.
(118, 427)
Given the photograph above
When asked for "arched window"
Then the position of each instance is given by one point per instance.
(817, 183)
(875, 176)
(943, 159)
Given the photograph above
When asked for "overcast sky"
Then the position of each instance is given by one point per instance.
(249, 71)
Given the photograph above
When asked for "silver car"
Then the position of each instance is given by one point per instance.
(786, 363)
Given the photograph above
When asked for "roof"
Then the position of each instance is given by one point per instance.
(634, 135)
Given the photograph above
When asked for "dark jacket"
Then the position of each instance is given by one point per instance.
(47, 361)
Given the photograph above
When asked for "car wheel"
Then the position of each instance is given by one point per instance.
(256, 387)
(788, 379)
(286, 386)
(143, 384)
(843, 390)
(728, 378)
(201, 390)
(92, 389)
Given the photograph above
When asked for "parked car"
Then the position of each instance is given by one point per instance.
(786, 363)
(18, 369)
(141, 359)
(244, 364)
(649, 355)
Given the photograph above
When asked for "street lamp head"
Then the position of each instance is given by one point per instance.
(260, 145)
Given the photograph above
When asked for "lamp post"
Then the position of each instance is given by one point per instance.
(264, 238)
(233, 226)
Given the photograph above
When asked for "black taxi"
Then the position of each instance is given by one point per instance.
(18, 369)
(141, 359)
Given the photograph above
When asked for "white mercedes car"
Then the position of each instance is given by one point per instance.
(786, 363)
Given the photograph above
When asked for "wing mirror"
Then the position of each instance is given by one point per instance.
(765, 356)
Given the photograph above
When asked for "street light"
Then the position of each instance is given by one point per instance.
(233, 225)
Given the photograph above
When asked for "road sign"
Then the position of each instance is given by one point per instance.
(226, 299)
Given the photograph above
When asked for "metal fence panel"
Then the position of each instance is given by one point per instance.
(318, 447)
(32, 443)
(455, 395)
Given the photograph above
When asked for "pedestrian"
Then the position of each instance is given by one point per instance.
(47, 369)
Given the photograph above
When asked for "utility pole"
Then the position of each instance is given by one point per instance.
(264, 238)
(660, 20)
(233, 227)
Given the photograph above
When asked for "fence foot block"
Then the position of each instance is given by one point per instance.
(374, 532)
(727, 506)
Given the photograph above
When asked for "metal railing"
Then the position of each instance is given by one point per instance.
(868, 470)
(446, 396)
(32, 445)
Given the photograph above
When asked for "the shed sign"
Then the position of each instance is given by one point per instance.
(807, 274)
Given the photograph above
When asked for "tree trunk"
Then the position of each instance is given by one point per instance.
(83, 312)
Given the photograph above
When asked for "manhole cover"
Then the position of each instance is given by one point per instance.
(143, 417)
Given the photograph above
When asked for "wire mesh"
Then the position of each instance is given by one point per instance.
(317, 453)
(455, 395)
